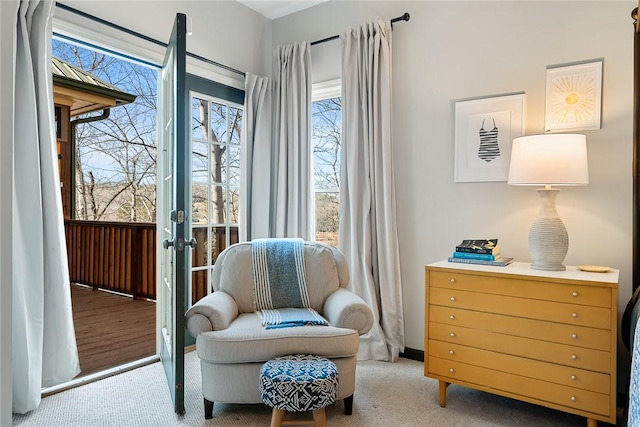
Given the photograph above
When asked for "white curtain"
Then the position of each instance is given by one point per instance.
(257, 137)
(368, 232)
(44, 345)
(277, 197)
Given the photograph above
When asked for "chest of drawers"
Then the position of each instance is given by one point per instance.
(544, 337)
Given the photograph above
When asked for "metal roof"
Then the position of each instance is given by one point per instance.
(72, 77)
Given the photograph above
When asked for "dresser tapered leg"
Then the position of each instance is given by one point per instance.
(592, 423)
(443, 394)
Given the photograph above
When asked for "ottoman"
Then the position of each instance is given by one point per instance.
(296, 384)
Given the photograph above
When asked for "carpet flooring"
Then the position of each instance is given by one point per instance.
(386, 395)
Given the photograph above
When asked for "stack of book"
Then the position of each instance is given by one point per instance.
(485, 252)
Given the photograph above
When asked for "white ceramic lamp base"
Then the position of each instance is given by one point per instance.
(548, 237)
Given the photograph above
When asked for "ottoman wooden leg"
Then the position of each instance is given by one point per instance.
(320, 417)
(277, 415)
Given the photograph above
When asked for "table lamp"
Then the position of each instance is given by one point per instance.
(549, 159)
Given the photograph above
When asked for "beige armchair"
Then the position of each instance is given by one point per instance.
(232, 344)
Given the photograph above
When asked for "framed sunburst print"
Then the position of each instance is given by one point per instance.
(574, 97)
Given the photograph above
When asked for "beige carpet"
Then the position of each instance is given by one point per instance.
(386, 395)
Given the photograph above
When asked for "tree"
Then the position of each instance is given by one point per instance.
(116, 157)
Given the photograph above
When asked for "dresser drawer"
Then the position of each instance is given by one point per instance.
(571, 377)
(542, 290)
(492, 380)
(580, 336)
(576, 357)
(572, 314)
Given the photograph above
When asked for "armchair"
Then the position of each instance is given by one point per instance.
(232, 344)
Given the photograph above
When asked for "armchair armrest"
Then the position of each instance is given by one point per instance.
(344, 309)
(212, 313)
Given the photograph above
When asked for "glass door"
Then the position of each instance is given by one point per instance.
(174, 180)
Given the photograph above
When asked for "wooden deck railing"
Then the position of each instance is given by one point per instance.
(116, 256)
(121, 256)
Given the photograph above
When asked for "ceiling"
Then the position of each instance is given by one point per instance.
(279, 8)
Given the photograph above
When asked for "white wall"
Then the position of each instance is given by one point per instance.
(7, 40)
(223, 31)
(455, 50)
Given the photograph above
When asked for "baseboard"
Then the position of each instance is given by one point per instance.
(410, 353)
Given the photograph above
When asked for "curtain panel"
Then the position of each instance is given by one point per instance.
(277, 198)
(257, 137)
(368, 232)
(43, 337)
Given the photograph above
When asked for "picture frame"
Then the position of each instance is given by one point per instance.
(484, 131)
(573, 97)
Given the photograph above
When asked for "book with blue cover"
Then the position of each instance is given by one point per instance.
(472, 255)
(502, 262)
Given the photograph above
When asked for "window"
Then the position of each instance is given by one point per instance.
(326, 137)
(215, 143)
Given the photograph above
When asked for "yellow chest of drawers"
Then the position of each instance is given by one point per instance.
(544, 337)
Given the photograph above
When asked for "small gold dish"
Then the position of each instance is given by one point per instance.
(594, 268)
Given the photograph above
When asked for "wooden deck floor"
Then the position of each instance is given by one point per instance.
(111, 329)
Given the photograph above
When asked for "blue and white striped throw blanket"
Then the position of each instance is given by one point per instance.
(290, 317)
(279, 282)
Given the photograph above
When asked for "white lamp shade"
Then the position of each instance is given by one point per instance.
(549, 159)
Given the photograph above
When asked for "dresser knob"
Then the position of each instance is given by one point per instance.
(574, 357)
(451, 370)
(452, 317)
(574, 315)
(453, 280)
(575, 294)
(453, 298)
(573, 398)
(452, 335)
(451, 352)
(574, 336)
(573, 377)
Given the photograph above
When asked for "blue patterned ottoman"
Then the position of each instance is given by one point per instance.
(297, 384)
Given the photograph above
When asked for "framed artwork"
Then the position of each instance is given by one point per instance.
(484, 131)
(573, 97)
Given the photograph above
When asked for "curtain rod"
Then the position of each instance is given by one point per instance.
(142, 36)
(404, 17)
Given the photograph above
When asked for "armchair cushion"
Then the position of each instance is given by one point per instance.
(246, 340)
(233, 274)
(214, 312)
(345, 309)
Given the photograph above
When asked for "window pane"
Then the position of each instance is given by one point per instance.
(199, 288)
(327, 212)
(219, 122)
(218, 205)
(218, 163)
(199, 118)
(234, 203)
(200, 204)
(235, 125)
(217, 243)
(199, 254)
(200, 162)
(234, 165)
(326, 135)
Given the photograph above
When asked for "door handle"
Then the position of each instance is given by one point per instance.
(180, 244)
(192, 242)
